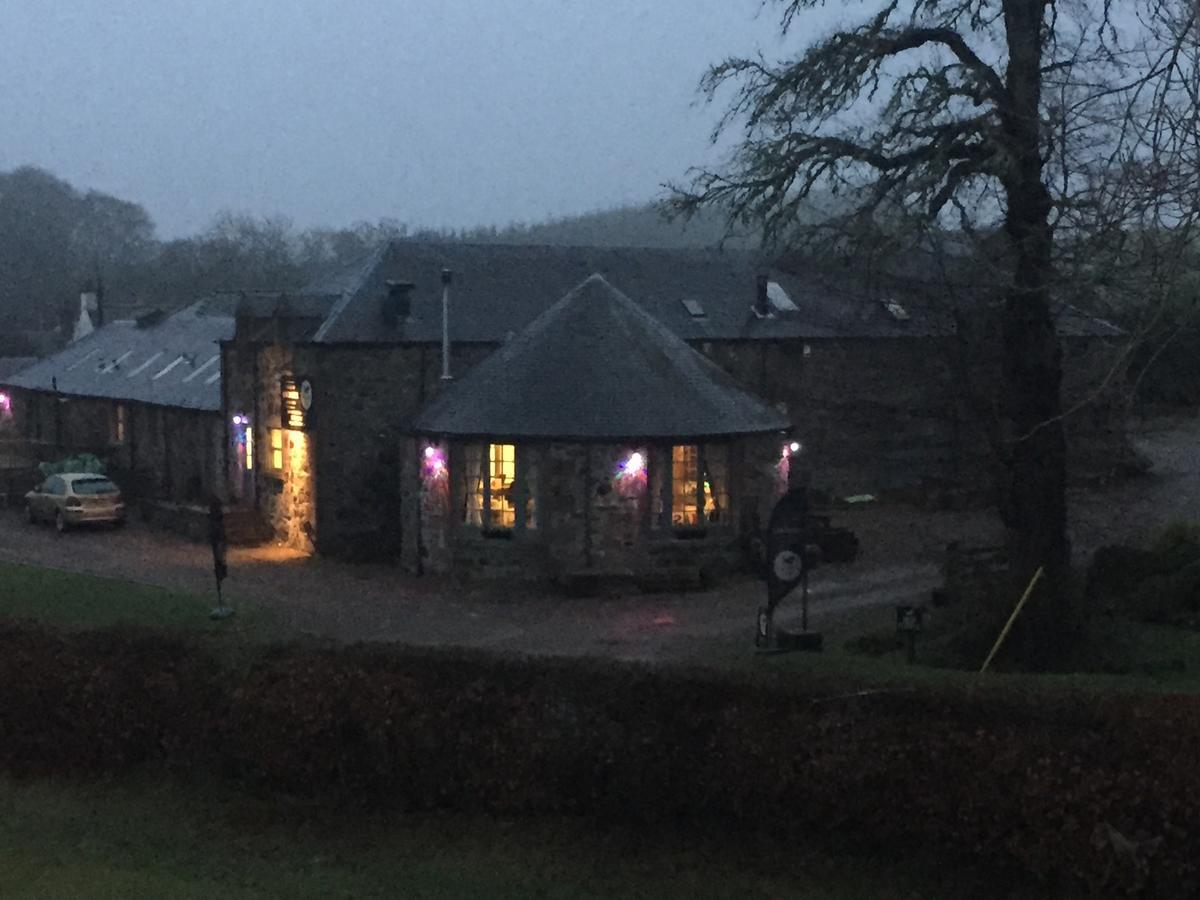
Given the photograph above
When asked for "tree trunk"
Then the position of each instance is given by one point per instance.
(1034, 497)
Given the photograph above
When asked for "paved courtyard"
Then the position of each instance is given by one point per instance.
(899, 562)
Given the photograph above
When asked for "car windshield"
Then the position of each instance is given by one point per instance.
(94, 486)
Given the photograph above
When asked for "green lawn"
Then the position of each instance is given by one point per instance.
(152, 838)
(84, 601)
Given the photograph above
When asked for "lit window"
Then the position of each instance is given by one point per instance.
(699, 485)
(277, 449)
(684, 465)
(493, 488)
(502, 475)
(118, 423)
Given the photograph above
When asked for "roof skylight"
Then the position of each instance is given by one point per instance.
(896, 309)
(779, 299)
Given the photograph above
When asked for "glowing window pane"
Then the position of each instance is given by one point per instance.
(684, 467)
(502, 476)
(277, 449)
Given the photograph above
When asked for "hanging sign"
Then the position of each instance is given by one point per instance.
(296, 402)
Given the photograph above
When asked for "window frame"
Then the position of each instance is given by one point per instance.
(720, 494)
(522, 497)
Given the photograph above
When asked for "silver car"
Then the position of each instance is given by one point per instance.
(76, 498)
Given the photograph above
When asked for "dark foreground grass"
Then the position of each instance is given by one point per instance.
(69, 600)
(160, 839)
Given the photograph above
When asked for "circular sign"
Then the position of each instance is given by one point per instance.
(306, 395)
(788, 565)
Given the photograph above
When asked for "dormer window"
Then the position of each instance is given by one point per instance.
(694, 309)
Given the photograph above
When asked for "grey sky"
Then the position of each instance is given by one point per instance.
(437, 112)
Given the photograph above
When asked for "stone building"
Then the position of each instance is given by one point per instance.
(875, 377)
(144, 395)
(595, 442)
(300, 408)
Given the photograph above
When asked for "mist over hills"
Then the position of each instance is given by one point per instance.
(57, 239)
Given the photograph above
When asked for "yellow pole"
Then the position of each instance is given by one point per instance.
(1016, 612)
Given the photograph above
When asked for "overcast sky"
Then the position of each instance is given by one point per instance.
(434, 112)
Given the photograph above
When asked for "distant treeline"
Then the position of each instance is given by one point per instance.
(56, 240)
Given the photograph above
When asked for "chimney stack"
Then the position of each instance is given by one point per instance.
(762, 307)
(447, 277)
(397, 303)
(85, 322)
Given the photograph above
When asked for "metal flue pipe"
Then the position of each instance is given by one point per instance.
(447, 277)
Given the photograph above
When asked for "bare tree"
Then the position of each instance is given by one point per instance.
(1032, 119)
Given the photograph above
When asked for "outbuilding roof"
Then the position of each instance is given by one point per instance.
(11, 365)
(596, 366)
(170, 361)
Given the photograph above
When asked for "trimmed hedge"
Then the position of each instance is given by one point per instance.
(1036, 781)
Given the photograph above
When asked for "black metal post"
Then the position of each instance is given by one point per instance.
(804, 599)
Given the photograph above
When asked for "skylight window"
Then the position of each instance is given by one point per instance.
(779, 299)
(695, 310)
(895, 309)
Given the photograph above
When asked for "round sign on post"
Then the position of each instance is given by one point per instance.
(788, 565)
(306, 396)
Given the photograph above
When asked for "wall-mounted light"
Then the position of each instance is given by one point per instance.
(435, 460)
(632, 466)
(240, 419)
(792, 448)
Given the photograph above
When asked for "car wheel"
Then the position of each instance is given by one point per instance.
(118, 523)
(60, 522)
(29, 516)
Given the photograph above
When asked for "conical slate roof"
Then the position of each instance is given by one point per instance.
(594, 367)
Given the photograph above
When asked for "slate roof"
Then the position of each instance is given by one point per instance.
(174, 361)
(596, 366)
(10, 365)
(498, 289)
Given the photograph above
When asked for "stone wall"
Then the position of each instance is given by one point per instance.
(340, 491)
(874, 415)
(363, 399)
(879, 415)
(593, 519)
(164, 453)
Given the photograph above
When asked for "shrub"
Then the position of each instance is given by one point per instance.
(1043, 781)
(98, 701)
(1161, 584)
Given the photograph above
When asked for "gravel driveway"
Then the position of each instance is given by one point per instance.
(899, 563)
